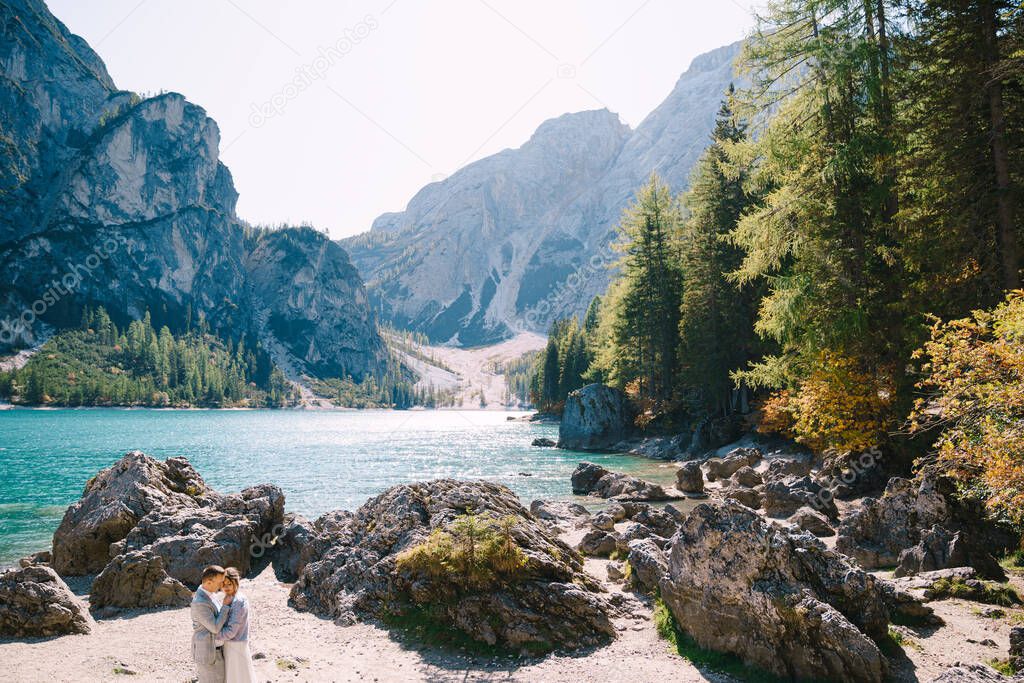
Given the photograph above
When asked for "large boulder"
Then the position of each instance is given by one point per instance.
(289, 552)
(35, 602)
(661, 522)
(648, 564)
(779, 469)
(112, 504)
(752, 498)
(723, 468)
(877, 534)
(594, 480)
(188, 539)
(595, 417)
(784, 498)
(136, 579)
(747, 476)
(812, 521)
(940, 548)
(560, 512)
(598, 543)
(776, 599)
(542, 601)
(165, 510)
(690, 478)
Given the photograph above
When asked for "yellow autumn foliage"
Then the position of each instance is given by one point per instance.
(839, 406)
(974, 392)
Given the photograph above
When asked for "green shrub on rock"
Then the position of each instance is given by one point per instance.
(475, 551)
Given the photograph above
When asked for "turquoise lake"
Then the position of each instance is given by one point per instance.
(321, 460)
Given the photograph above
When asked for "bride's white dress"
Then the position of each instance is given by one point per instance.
(237, 658)
(238, 662)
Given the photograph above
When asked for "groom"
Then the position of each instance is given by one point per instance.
(208, 617)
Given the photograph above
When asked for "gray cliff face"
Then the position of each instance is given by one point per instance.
(521, 237)
(121, 202)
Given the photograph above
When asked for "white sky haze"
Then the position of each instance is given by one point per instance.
(395, 93)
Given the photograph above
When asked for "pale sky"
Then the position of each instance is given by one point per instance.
(335, 112)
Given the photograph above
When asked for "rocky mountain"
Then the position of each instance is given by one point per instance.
(107, 198)
(515, 239)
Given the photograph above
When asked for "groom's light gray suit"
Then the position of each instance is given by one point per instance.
(207, 621)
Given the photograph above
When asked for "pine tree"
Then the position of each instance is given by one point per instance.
(645, 320)
(551, 374)
(716, 316)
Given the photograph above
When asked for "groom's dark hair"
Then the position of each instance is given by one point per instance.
(212, 570)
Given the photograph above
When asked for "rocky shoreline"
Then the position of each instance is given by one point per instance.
(747, 555)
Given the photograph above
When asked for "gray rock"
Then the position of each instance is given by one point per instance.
(777, 600)
(549, 602)
(631, 531)
(615, 571)
(166, 510)
(41, 558)
(603, 521)
(113, 503)
(1017, 648)
(690, 477)
(560, 512)
(648, 564)
(617, 511)
(290, 549)
(35, 602)
(747, 476)
(597, 543)
(136, 579)
(655, 447)
(939, 548)
(750, 497)
(813, 521)
(543, 442)
(974, 673)
(877, 533)
(906, 608)
(190, 538)
(723, 468)
(784, 498)
(591, 479)
(595, 417)
(779, 469)
(661, 522)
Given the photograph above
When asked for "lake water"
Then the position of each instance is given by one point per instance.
(321, 460)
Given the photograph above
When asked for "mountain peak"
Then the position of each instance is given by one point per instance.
(509, 241)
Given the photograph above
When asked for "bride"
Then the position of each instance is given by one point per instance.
(235, 634)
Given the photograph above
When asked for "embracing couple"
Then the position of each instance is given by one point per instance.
(220, 628)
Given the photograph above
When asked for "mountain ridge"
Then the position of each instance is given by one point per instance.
(114, 200)
(522, 240)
